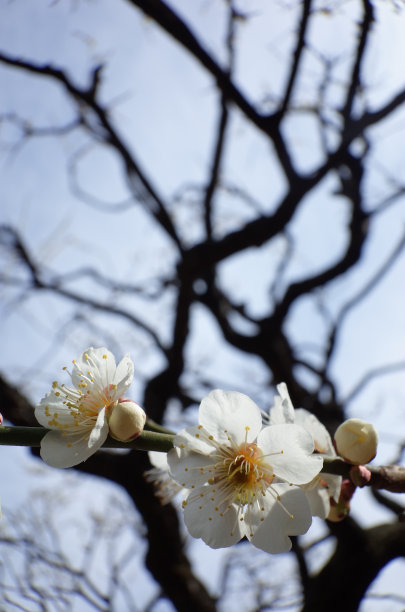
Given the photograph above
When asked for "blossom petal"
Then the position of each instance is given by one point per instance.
(190, 470)
(319, 501)
(100, 430)
(319, 433)
(228, 414)
(206, 521)
(289, 448)
(195, 439)
(158, 460)
(124, 375)
(51, 407)
(273, 534)
(97, 366)
(334, 484)
(319, 492)
(283, 409)
(61, 451)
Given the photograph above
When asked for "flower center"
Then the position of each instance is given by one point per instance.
(244, 469)
(240, 481)
(82, 404)
(242, 472)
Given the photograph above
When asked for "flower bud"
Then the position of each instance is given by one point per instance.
(356, 441)
(126, 421)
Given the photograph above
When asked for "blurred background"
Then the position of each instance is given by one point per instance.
(216, 187)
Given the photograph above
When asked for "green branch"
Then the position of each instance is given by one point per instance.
(389, 477)
(32, 436)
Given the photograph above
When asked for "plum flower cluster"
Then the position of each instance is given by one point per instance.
(81, 416)
(242, 473)
(244, 479)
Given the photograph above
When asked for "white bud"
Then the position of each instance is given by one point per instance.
(126, 421)
(356, 441)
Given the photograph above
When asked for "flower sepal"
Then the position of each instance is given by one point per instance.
(340, 510)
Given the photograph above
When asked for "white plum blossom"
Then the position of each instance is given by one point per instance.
(241, 476)
(78, 414)
(324, 486)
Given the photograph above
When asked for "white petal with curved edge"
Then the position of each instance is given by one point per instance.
(334, 484)
(283, 409)
(158, 460)
(52, 403)
(190, 470)
(204, 521)
(124, 375)
(56, 452)
(273, 534)
(193, 439)
(290, 450)
(227, 414)
(99, 370)
(100, 429)
(322, 440)
(318, 500)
